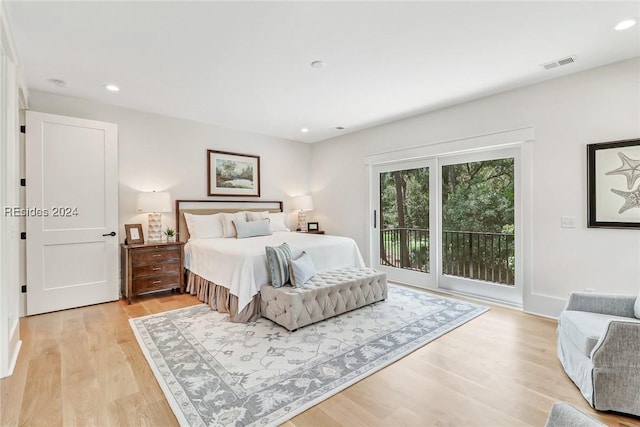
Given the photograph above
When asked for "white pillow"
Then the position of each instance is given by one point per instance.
(636, 307)
(301, 270)
(227, 222)
(276, 220)
(252, 229)
(204, 226)
(257, 216)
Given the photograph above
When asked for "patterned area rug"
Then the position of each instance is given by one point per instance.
(217, 373)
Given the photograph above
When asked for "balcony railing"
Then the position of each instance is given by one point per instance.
(406, 248)
(474, 255)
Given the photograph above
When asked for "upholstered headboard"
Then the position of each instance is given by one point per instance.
(208, 207)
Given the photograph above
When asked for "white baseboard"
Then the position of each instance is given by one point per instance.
(15, 344)
(14, 358)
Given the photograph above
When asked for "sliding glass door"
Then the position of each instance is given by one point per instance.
(402, 236)
(478, 250)
(450, 222)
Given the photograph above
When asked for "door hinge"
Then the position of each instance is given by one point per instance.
(23, 129)
(24, 289)
(23, 235)
(23, 182)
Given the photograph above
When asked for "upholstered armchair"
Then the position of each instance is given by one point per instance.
(599, 348)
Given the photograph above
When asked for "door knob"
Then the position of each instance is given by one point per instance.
(113, 233)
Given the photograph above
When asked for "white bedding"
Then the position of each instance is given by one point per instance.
(241, 265)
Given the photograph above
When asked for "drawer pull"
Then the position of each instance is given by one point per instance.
(157, 269)
(157, 254)
(155, 282)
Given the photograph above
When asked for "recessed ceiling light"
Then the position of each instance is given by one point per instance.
(59, 83)
(112, 88)
(304, 130)
(318, 64)
(626, 24)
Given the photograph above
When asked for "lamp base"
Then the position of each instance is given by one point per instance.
(154, 232)
(302, 220)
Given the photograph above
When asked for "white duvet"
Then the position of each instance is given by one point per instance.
(241, 265)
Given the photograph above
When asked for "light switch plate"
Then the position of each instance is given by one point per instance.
(568, 222)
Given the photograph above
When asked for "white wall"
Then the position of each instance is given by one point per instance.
(168, 154)
(567, 113)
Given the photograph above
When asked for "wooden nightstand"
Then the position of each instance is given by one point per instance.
(151, 267)
(312, 232)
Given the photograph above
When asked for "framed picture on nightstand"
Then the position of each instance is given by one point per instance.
(312, 226)
(134, 233)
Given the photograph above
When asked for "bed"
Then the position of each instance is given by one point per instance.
(227, 273)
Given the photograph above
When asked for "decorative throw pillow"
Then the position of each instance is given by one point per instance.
(636, 307)
(204, 226)
(301, 270)
(257, 216)
(277, 222)
(227, 222)
(252, 229)
(277, 257)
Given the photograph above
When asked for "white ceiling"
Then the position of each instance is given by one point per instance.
(246, 65)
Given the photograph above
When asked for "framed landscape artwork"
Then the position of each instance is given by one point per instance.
(232, 174)
(613, 170)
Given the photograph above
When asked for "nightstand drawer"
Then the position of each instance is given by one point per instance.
(154, 283)
(155, 255)
(155, 269)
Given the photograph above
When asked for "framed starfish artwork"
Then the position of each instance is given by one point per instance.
(613, 182)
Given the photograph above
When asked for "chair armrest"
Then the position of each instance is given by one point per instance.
(619, 346)
(615, 305)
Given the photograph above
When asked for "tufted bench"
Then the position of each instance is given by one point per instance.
(325, 295)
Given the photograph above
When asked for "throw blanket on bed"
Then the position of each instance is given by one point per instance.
(241, 266)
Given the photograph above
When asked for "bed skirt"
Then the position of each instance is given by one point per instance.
(220, 299)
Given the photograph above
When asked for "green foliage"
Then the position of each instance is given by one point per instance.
(478, 196)
(414, 198)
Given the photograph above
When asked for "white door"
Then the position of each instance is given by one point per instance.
(72, 212)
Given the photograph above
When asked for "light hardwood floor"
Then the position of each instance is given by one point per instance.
(83, 367)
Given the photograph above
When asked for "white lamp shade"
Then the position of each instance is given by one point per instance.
(154, 202)
(302, 203)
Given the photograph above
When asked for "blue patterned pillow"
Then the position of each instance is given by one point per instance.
(301, 270)
(277, 257)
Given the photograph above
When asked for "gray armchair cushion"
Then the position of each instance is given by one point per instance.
(585, 329)
(564, 415)
(615, 305)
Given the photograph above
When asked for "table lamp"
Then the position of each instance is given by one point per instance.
(302, 204)
(154, 203)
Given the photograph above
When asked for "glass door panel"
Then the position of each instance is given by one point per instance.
(478, 217)
(404, 219)
(403, 239)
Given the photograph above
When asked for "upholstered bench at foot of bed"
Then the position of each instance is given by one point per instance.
(325, 295)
